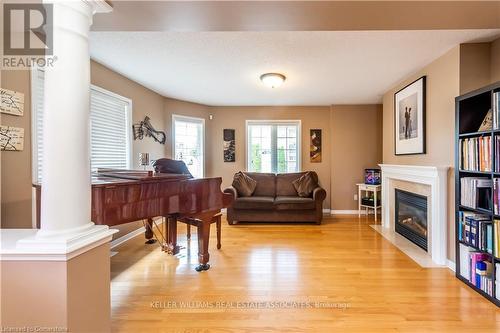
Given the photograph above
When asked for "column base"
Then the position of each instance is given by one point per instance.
(61, 283)
(26, 244)
(60, 296)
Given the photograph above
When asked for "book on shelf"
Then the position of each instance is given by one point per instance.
(464, 260)
(476, 192)
(496, 109)
(479, 265)
(496, 238)
(497, 280)
(475, 153)
(473, 230)
(496, 196)
(477, 268)
(497, 153)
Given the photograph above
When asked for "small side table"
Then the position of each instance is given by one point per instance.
(366, 189)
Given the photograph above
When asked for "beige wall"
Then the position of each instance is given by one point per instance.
(443, 85)
(495, 61)
(16, 165)
(356, 145)
(479, 65)
(474, 66)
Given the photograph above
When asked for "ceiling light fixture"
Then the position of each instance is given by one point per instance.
(273, 80)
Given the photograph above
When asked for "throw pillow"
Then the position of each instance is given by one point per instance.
(305, 185)
(244, 184)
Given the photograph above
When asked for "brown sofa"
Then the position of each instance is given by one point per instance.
(276, 200)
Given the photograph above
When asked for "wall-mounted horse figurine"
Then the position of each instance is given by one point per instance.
(144, 128)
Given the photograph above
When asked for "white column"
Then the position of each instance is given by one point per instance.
(65, 200)
(66, 184)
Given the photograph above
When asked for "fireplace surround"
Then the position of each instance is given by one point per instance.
(436, 178)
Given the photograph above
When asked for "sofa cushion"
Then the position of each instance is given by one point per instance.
(254, 202)
(284, 186)
(306, 184)
(266, 184)
(244, 184)
(293, 203)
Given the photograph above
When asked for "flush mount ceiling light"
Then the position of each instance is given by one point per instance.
(273, 80)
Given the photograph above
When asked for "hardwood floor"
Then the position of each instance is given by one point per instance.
(341, 276)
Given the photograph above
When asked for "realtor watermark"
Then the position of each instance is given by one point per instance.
(248, 305)
(27, 36)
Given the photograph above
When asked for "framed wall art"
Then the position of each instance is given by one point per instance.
(409, 119)
(315, 146)
(229, 145)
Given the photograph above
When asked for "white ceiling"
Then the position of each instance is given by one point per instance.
(322, 68)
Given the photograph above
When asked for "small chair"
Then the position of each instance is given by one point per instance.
(216, 219)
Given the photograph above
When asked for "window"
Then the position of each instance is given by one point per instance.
(37, 78)
(110, 128)
(189, 143)
(273, 146)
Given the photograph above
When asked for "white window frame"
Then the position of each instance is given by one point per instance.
(191, 119)
(296, 122)
(34, 114)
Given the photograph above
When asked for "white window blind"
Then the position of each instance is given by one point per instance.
(273, 146)
(37, 79)
(110, 128)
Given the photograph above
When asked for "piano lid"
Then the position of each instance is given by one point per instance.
(139, 175)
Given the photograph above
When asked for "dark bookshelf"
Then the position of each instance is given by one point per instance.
(470, 110)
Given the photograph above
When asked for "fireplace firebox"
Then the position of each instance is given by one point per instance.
(411, 217)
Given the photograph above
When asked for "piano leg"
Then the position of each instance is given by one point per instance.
(218, 225)
(171, 234)
(203, 238)
(148, 234)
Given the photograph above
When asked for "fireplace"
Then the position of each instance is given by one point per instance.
(411, 217)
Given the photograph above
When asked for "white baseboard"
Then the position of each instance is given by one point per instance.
(127, 237)
(451, 265)
(131, 235)
(348, 212)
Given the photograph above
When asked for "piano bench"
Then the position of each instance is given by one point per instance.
(217, 219)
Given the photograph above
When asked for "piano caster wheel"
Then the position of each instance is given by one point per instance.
(202, 267)
(150, 241)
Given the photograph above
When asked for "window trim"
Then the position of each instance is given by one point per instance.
(203, 139)
(297, 122)
(34, 133)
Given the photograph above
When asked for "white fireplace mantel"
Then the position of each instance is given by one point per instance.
(437, 178)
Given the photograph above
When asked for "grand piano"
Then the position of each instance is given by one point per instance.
(123, 196)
